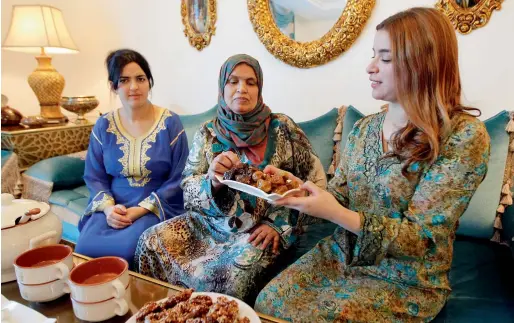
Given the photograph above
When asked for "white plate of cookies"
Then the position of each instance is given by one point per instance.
(197, 307)
(253, 181)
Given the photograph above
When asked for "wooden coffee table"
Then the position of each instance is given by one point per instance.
(143, 289)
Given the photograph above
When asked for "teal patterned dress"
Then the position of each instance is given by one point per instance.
(397, 268)
(206, 248)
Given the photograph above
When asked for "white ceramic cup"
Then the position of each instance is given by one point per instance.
(104, 310)
(44, 264)
(99, 279)
(43, 292)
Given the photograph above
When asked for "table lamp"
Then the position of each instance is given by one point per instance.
(41, 29)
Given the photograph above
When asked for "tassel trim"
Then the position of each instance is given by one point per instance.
(511, 146)
(506, 200)
(500, 209)
(339, 128)
(510, 126)
(506, 187)
(498, 223)
(496, 237)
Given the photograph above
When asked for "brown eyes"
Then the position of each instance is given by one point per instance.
(125, 80)
(249, 82)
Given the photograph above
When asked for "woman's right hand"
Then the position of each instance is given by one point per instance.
(222, 163)
(116, 216)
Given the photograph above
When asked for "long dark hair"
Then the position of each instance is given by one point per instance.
(118, 59)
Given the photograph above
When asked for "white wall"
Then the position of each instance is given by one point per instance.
(186, 80)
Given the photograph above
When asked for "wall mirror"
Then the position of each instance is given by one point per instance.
(308, 33)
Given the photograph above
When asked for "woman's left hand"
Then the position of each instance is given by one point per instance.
(135, 212)
(265, 234)
(319, 203)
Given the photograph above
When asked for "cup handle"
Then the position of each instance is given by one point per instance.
(119, 289)
(62, 270)
(66, 288)
(121, 307)
(37, 241)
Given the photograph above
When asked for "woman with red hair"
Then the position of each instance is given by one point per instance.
(406, 176)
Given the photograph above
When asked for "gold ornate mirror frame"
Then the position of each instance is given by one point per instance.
(196, 39)
(313, 53)
(466, 20)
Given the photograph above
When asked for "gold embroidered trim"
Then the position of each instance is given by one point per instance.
(134, 150)
(120, 140)
(152, 204)
(101, 204)
(176, 138)
(147, 144)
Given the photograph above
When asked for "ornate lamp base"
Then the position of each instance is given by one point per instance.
(47, 84)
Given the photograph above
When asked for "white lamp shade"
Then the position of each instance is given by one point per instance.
(33, 27)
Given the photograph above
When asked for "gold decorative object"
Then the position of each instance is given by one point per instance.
(41, 28)
(467, 15)
(313, 53)
(79, 105)
(199, 19)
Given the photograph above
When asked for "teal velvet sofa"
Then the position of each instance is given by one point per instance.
(482, 275)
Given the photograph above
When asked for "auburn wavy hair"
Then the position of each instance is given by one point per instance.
(428, 87)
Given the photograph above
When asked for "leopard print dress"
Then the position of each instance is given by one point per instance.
(206, 248)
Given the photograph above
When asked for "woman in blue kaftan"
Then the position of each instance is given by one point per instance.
(133, 176)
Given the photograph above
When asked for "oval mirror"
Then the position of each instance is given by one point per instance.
(199, 19)
(308, 33)
(303, 20)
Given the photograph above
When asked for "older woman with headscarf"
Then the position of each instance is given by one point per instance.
(228, 239)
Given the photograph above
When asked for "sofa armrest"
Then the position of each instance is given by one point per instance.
(53, 173)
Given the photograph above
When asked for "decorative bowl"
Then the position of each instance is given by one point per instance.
(33, 121)
(79, 105)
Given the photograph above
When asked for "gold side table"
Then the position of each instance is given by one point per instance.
(33, 145)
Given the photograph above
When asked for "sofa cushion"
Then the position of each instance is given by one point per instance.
(82, 190)
(478, 219)
(320, 132)
(70, 232)
(351, 116)
(64, 197)
(79, 205)
(62, 171)
(192, 123)
(5, 156)
(482, 283)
